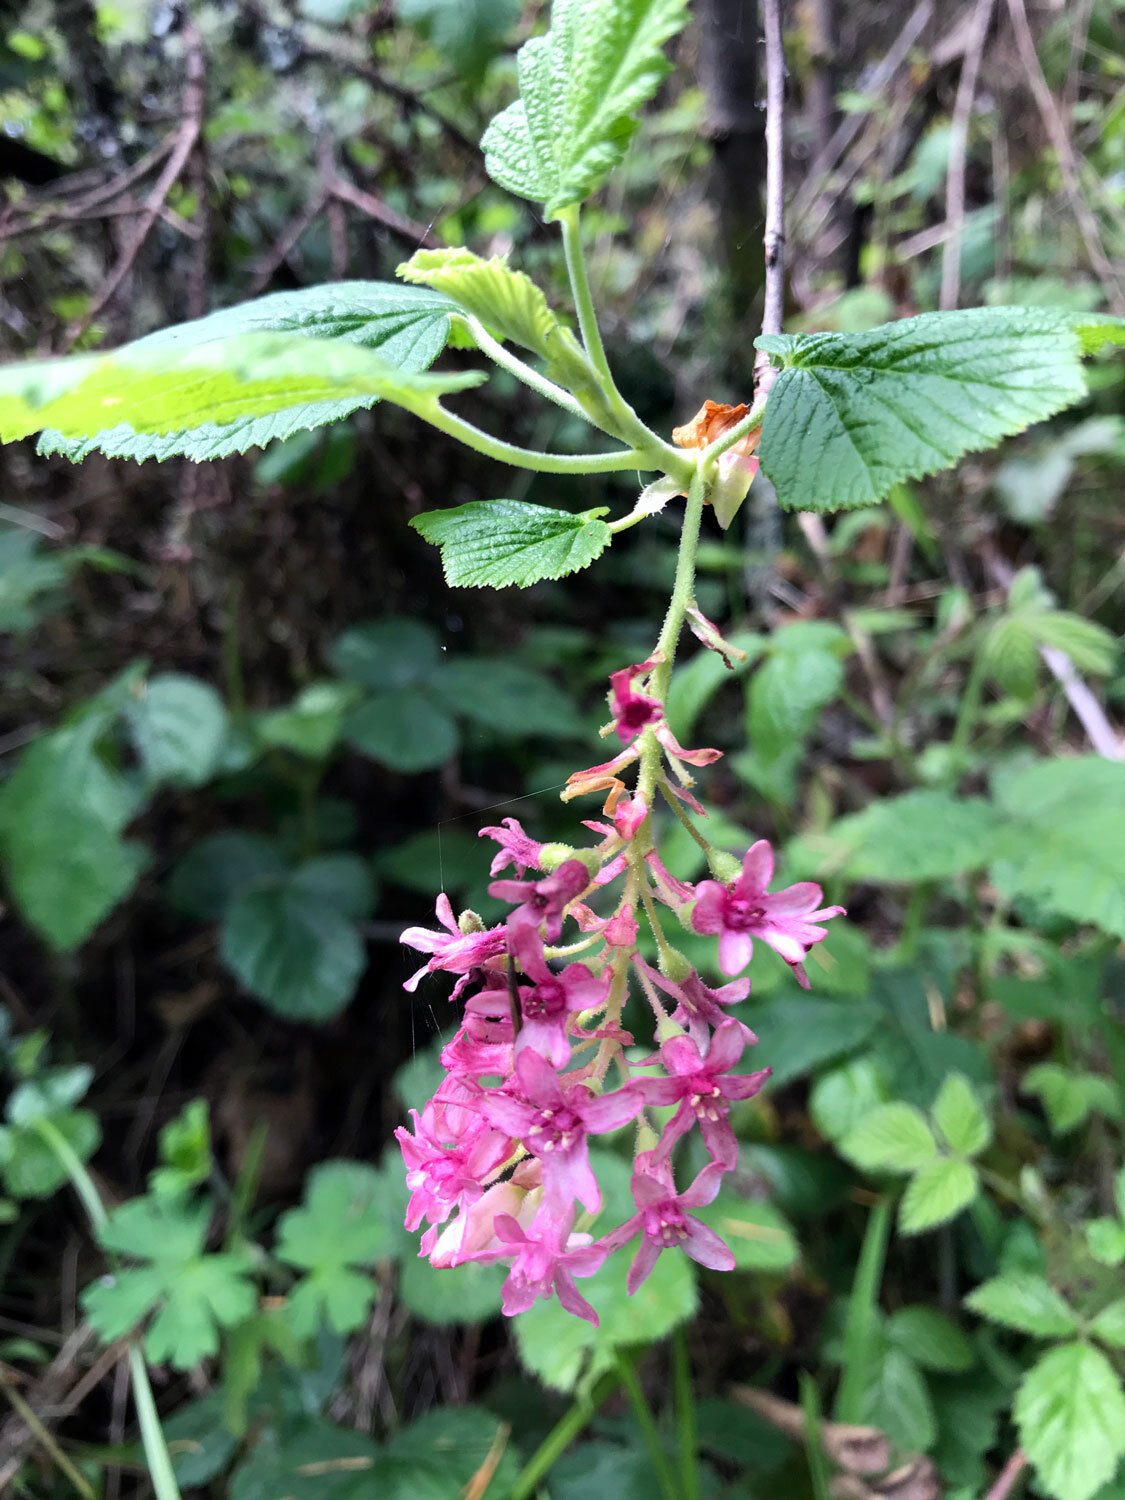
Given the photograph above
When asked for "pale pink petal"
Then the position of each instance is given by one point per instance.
(735, 951)
(608, 1111)
(757, 870)
(707, 913)
(705, 1246)
(571, 1298)
(744, 1085)
(726, 1047)
(704, 1189)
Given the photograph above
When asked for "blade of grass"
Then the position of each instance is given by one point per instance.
(863, 1306)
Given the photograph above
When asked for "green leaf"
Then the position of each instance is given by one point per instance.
(1070, 1413)
(191, 1294)
(29, 1165)
(178, 725)
(446, 859)
(1109, 1324)
(508, 698)
(937, 1192)
(851, 415)
(1023, 1301)
(786, 694)
(30, 578)
(960, 1118)
(48, 1093)
(1063, 841)
(580, 86)
(387, 654)
(892, 1138)
(496, 543)
(470, 1293)
(1091, 647)
(562, 1349)
(310, 1458)
(404, 730)
(339, 1228)
(200, 1445)
(343, 880)
(217, 869)
(698, 680)
(932, 1339)
(898, 1403)
(61, 814)
(311, 726)
(844, 1095)
(1009, 655)
(438, 1456)
(292, 949)
(1106, 1241)
(758, 1235)
(799, 1035)
(185, 1151)
(468, 34)
(923, 835)
(1097, 329)
(1070, 1097)
(408, 327)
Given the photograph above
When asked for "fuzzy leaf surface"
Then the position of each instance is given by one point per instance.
(1070, 1412)
(892, 1138)
(937, 1192)
(580, 87)
(851, 415)
(496, 543)
(338, 1229)
(1024, 1301)
(960, 1117)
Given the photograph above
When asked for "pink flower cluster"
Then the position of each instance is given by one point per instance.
(497, 1162)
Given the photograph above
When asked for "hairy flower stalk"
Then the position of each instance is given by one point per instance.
(498, 1162)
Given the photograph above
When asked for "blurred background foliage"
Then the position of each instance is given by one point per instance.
(247, 732)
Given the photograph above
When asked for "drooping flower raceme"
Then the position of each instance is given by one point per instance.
(498, 1162)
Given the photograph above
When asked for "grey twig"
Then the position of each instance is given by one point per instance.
(958, 149)
(774, 301)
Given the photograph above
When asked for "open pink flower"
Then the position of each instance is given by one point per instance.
(700, 1008)
(633, 711)
(516, 848)
(553, 1119)
(703, 1088)
(740, 912)
(543, 900)
(547, 1004)
(661, 1222)
(441, 1177)
(542, 1266)
(453, 950)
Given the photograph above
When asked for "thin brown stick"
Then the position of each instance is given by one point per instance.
(1068, 162)
(1006, 1479)
(958, 150)
(347, 192)
(774, 301)
(262, 272)
(191, 124)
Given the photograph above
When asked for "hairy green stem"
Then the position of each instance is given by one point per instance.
(560, 1437)
(159, 1459)
(435, 414)
(522, 371)
(685, 1415)
(684, 587)
(647, 1423)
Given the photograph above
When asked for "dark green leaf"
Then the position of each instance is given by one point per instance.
(495, 543)
(403, 730)
(293, 950)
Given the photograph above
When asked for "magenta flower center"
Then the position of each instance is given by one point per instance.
(707, 1098)
(554, 1130)
(546, 1002)
(740, 915)
(638, 712)
(666, 1224)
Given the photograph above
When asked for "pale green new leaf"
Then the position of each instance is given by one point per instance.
(1070, 1097)
(960, 1118)
(494, 543)
(1109, 1324)
(937, 1192)
(1070, 1412)
(339, 1229)
(1106, 1240)
(892, 1138)
(920, 835)
(851, 415)
(406, 326)
(1024, 1301)
(170, 391)
(580, 87)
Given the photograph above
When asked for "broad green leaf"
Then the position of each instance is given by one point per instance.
(213, 872)
(786, 693)
(1109, 1324)
(1010, 656)
(339, 1229)
(508, 698)
(960, 1117)
(696, 682)
(1096, 329)
(178, 725)
(1091, 647)
(468, 34)
(387, 654)
(458, 1294)
(898, 1403)
(799, 1035)
(29, 1165)
(1063, 841)
(937, 1192)
(61, 815)
(1106, 1240)
(30, 579)
(758, 1235)
(1070, 1413)
(1024, 1301)
(1070, 1097)
(580, 86)
(407, 326)
(170, 392)
(311, 726)
(892, 1138)
(932, 1339)
(496, 543)
(200, 1445)
(437, 859)
(851, 415)
(844, 1095)
(292, 949)
(403, 729)
(343, 880)
(311, 1458)
(922, 835)
(439, 1456)
(190, 1293)
(605, 1468)
(561, 1349)
(48, 1093)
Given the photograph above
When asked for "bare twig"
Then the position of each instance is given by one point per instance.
(347, 192)
(958, 148)
(774, 301)
(1068, 162)
(1006, 1479)
(262, 272)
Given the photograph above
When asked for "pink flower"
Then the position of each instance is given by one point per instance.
(547, 1004)
(662, 1223)
(700, 1008)
(453, 950)
(553, 1119)
(744, 910)
(515, 848)
(483, 1045)
(440, 1177)
(628, 815)
(543, 900)
(633, 711)
(542, 1266)
(702, 1087)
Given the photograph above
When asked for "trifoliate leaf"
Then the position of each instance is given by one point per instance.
(580, 86)
(932, 1339)
(892, 1138)
(937, 1192)
(495, 543)
(841, 1097)
(293, 949)
(1070, 1097)
(1109, 1324)
(1070, 1413)
(1024, 1301)
(338, 1229)
(851, 415)
(191, 1294)
(960, 1118)
(408, 327)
